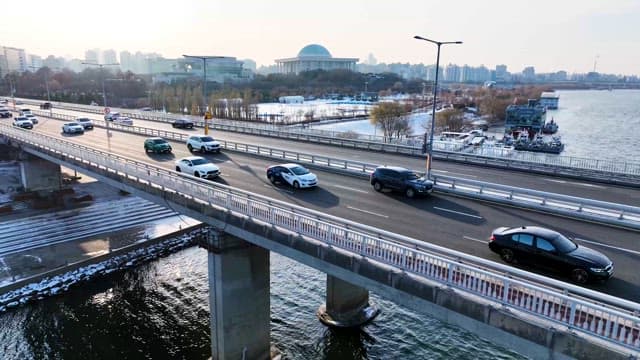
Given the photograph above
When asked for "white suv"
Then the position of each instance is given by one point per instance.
(111, 116)
(198, 167)
(123, 120)
(203, 144)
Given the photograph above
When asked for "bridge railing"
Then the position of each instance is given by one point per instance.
(626, 172)
(581, 208)
(611, 319)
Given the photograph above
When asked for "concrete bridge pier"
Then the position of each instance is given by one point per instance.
(347, 305)
(239, 302)
(38, 174)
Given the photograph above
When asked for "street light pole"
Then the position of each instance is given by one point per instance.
(104, 96)
(435, 93)
(204, 85)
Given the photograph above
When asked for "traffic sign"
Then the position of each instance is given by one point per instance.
(107, 110)
(208, 115)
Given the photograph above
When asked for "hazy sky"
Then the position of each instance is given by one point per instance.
(548, 34)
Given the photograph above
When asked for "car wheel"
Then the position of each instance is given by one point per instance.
(196, 174)
(146, 149)
(174, 126)
(410, 192)
(190, 147)
(507, 255)
(178, 169)
(296, 185)
(579, 276)
(377, 186)
(203, 149)
(272, 178)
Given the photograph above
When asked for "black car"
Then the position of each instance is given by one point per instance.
(5, 114)
(46, 105)
(550, 250)
(182, 123)
(400, 179)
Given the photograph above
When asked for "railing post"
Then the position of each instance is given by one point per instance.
(572, 314)
(505, 295)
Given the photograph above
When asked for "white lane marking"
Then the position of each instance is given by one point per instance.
(367, 212)
(349, 188)
(457, 212)
(474, 239)
(277, 189)
(575, 183)
(609, 246)
(454, 173)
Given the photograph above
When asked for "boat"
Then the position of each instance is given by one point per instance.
(540, 144)
(550, 128)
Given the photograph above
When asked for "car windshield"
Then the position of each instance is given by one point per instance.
(199, 161)
(206, 139)
(159, 141)
(412, 176)
(83, 120)
(30, 115)
(563, 244)
(21, 118)
(73, 124)
(299, 170)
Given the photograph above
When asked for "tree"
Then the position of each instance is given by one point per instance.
(392, 118)
(450, 119)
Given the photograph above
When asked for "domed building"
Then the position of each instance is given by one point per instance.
(314, 57)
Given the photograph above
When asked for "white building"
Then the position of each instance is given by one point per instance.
(314, 57)
(12, 59)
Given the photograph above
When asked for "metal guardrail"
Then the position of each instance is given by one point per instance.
(587, 168)
(579, 309)
(570, 206)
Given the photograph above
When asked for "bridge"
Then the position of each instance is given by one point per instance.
(468, 291)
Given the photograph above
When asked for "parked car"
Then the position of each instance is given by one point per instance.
(45, 105)
(203, 144)
(32, 117)
(23, 122)
(85, 122)
(550, 250)
(183, 124)
(72, 128)
(123, 120)
(293, 174)
(111, 116)
(5, 113)
(198, 167)
(400, 179)
(157, 145)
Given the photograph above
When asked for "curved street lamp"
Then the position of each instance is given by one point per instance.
(435, 93)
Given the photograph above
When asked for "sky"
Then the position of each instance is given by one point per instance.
(550, 35)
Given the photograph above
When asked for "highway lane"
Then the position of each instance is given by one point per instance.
(456, 223)
(573, 187)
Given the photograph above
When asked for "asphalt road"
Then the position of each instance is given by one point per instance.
(452, 222)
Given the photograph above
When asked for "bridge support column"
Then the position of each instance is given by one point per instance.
(347, 305)
(239, 300)
(39, 174)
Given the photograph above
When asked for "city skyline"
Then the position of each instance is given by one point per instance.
(575, 37)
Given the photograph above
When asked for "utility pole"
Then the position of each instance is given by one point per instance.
(207, 114)
(104, 97)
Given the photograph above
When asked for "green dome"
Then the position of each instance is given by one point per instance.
(315, 51)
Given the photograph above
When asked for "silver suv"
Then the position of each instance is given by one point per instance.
(203, 143)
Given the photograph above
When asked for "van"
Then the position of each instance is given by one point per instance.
(25, 111)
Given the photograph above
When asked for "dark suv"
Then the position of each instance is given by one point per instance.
(400, 179)
(182, 123)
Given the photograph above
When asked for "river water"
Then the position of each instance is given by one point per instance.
(160, 310)
(592, 124)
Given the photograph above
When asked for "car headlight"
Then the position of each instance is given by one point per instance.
(598, 270)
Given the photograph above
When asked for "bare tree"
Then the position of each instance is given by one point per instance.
(391, 118)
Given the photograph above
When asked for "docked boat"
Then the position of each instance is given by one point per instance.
(550, 128)
(540, 144)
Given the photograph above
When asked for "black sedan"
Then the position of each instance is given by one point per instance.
(549, 250)
(183, 124)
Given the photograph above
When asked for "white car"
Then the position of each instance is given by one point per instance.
(85, 122)
(72, 128)
(203, 144)
(23, 122)
(293, 174)
(198, 167)
(123, 120)
(32, 117)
